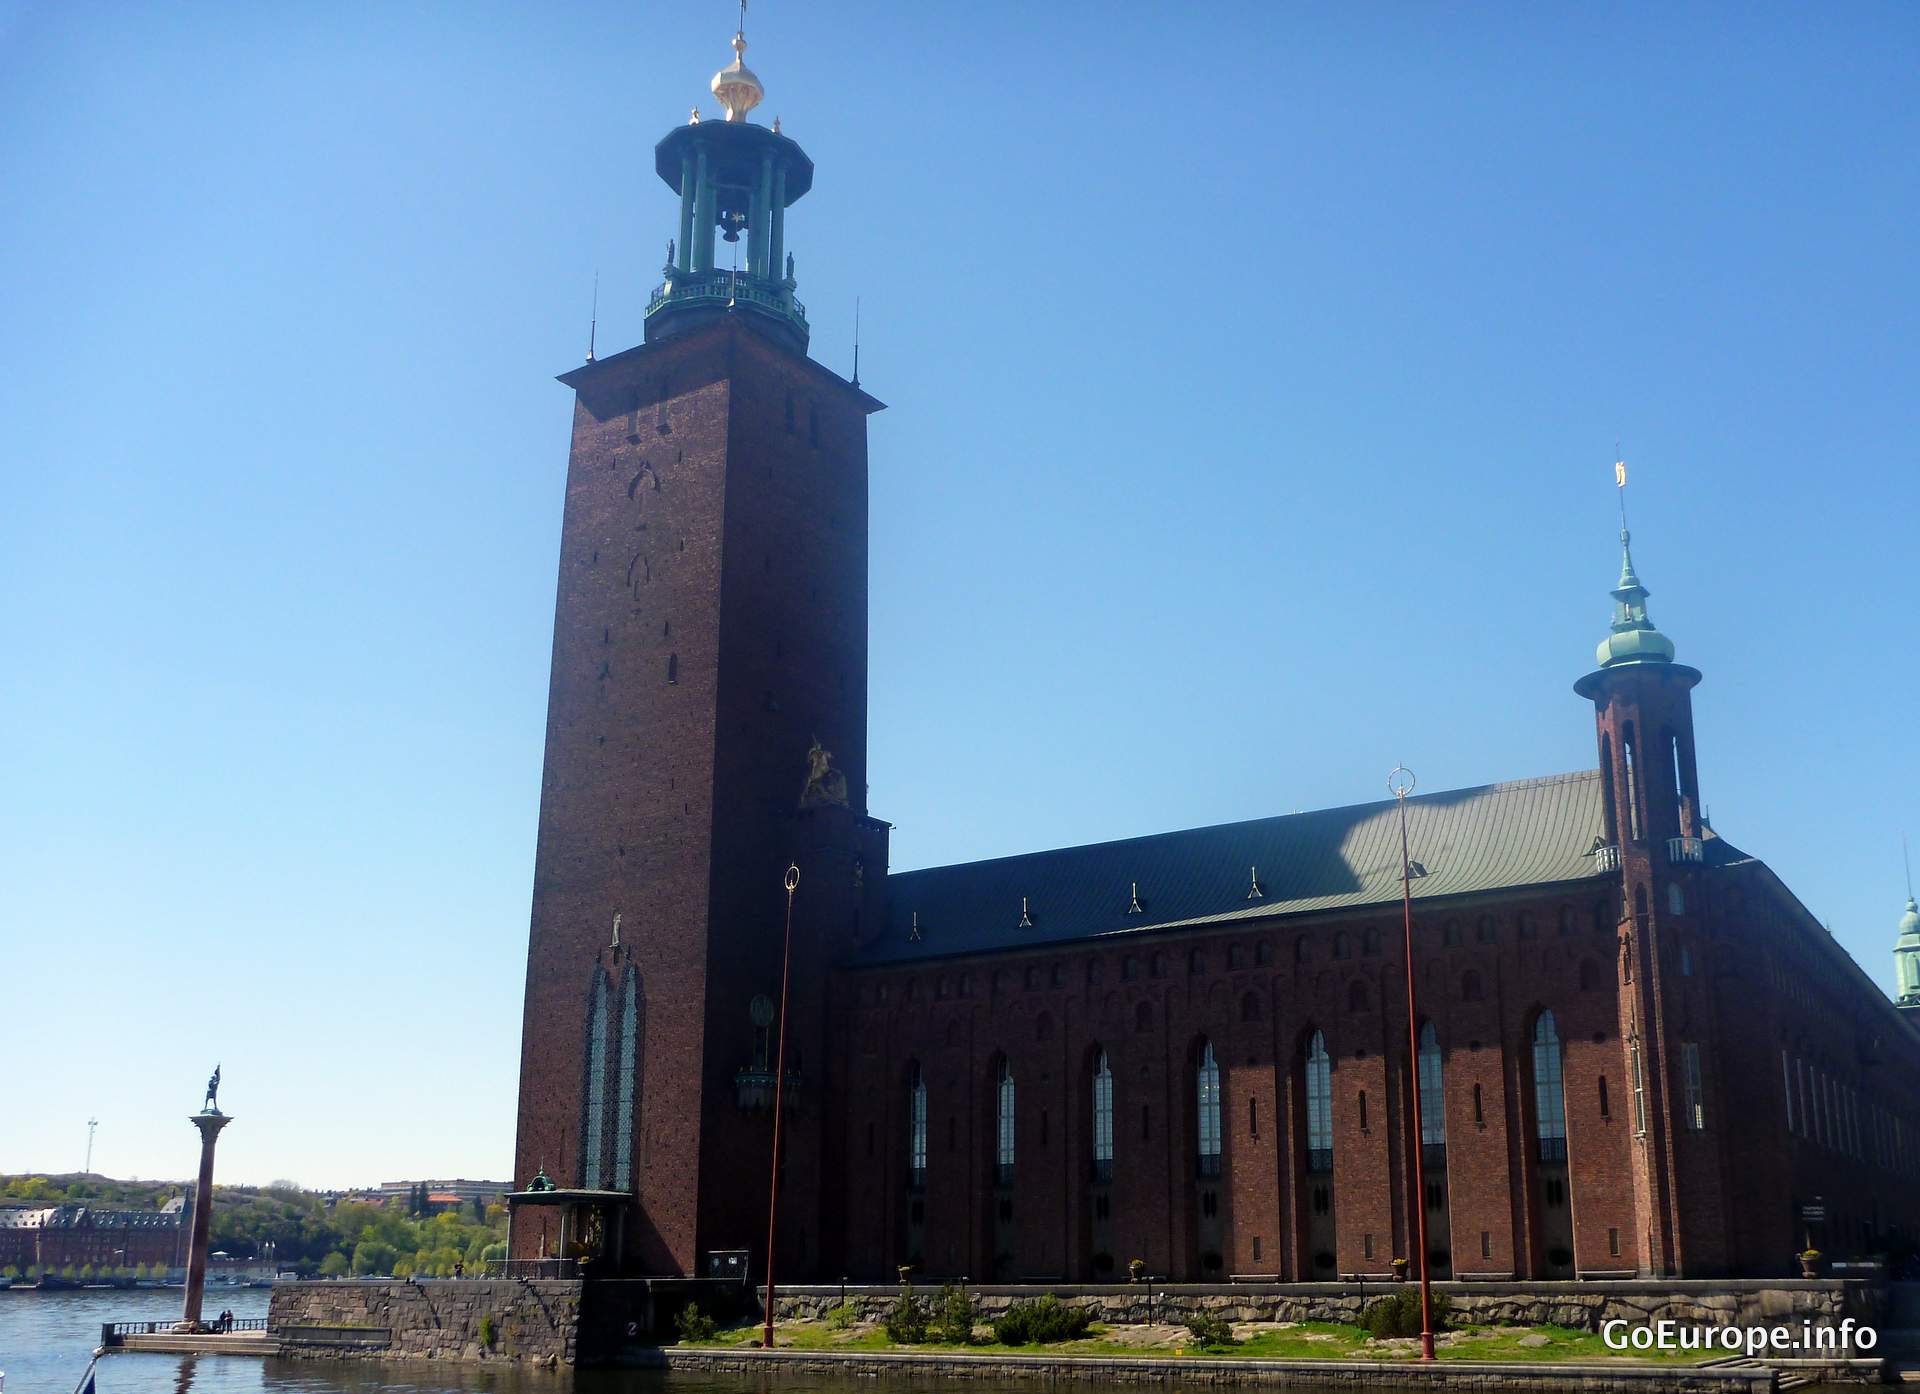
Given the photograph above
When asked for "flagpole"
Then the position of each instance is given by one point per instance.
(1400, 783)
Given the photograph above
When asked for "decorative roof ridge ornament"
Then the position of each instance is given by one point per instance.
(1026, 917)
(1133, 904)
(1254, 890)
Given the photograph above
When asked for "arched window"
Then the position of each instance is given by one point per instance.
(1635, 814)
(1207, 1093)
(1370, 942)
(916, 1128)
(1356, 996)
(1342, 947)
(1003, 1131)
(1450, 934)
(1319, 1072)
(1250, 1007)
(1549, 1100)
(1102, 1119)
(1589, 975)
(629, 1069)
(1302, 949)
(1433, 1097)
(1566, 919)
(1470, 988)
(593, 1143)
(1484, 931)
(1143, 1017)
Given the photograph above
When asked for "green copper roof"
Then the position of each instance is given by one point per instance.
(1910, 925)
(1527, 833)
(1633, 638)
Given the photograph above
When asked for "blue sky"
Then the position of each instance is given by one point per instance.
(1254, 377)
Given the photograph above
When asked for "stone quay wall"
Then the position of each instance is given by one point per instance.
(1390, 1377)
(532, 1321)
(1582, 1305)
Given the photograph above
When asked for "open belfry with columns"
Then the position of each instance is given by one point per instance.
(1639, 1053)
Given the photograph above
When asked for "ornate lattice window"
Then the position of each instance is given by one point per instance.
(1549, 1098)
(629, 1072)
(1207, 1096)
(1102, 1119)
(1003, 1131)
(1319, 1073)
(593, 1143)
(916, 1128)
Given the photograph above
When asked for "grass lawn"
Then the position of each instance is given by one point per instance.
(1311, 1340)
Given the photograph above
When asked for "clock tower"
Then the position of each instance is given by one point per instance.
(706, 728)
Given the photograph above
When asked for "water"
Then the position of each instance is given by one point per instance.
(46, 1339)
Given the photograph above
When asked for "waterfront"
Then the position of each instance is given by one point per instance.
(46, 1339)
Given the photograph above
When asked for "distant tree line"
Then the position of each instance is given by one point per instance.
(306, 1234)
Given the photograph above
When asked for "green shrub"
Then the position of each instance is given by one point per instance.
(487, 1331)
(1040, 1322)
(1209, 1332)
(907, 1319)
(1399, 1314)
(693, 1326)
(840, 1316)
(953, 1316)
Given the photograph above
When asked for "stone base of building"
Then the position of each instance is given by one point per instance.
(609, 1322)
(1583, 1306)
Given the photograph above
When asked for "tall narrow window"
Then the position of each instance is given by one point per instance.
(1549, 1099)
(623, 1098)
(1102, 1119)
(1679, 787)
(1003, 1133)
(1319, 1073)
(593, 1145)
(1696, 1099)
(917, 1128)
(1207, 1093)
(1633, 782)
(1639, 1083)
(1433, 1099)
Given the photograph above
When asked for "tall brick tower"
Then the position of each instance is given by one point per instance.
(1657, 843)
(706, 726)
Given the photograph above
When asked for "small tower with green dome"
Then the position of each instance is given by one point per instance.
(1654, 846)
(738, 180)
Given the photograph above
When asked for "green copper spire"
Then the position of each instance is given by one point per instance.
(1906, 949)
(1633, 638)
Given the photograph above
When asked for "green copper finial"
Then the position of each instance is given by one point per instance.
(1633, 639)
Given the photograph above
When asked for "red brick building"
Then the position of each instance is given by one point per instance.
(1640, 1054)
(55, 1238)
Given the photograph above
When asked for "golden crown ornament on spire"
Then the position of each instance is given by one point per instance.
(735, 85)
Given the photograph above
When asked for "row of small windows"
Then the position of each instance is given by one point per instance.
(1317, 1079)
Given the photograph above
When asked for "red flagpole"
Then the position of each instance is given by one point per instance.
(779, 1102)
(1400, 792)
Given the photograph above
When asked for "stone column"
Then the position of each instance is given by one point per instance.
(209, 1122)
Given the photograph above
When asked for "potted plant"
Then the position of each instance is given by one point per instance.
(1399, 1270)
(1810, 1263)
(1135, 1268)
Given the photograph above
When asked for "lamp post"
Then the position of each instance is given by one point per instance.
(779, 1100)
(1400, 784)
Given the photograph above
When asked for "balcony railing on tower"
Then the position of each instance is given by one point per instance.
(1685, 849)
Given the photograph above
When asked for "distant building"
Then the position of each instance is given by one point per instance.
(79, 1236)
(442, 1194)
